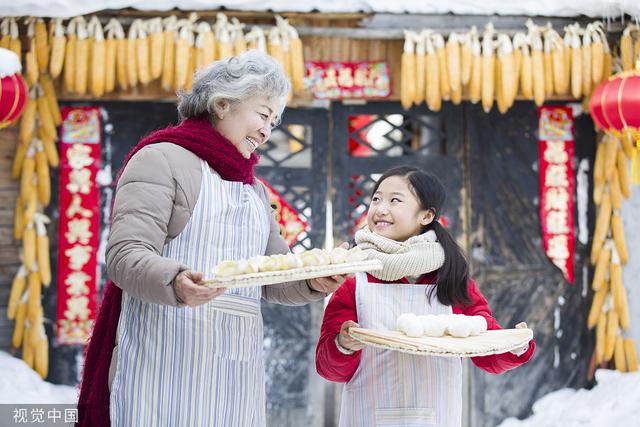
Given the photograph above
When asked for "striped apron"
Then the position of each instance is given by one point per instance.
(391, 388)
(200, 366)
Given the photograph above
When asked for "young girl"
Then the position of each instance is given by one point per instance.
(425, 272)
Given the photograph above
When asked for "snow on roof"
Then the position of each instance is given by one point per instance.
(593, 8)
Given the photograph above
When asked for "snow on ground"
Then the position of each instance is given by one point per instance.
(20, 384)
(614, 401)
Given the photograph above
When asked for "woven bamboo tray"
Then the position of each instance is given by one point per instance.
(489, 342)
(281, 276)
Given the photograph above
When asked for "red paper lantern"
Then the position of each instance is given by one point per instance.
(615, 109)
(13, 91)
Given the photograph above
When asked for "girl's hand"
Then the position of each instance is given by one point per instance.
(520, 350)
(345, 340)
(189, 291)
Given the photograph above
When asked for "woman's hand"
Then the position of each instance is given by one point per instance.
(328, 284)
(521, 350)
(331, 283)
(190, 292)
(345, 340)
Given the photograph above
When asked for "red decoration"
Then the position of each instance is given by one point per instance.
(557, 185)
(341, 80)
(292, 225)
(13, 91)
(79, 224)
(615, 109)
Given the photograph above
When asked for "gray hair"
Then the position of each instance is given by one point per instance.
(234, 80)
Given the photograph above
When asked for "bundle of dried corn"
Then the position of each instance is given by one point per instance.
(183, 54)
(35, 153)
(609, 308)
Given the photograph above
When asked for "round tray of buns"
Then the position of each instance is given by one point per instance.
(484, 344)
(282, 268)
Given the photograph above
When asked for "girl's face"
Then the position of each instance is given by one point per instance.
(395, 212)
(248, 124)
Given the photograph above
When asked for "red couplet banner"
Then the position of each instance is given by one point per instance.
(79, 225)
(557, 185)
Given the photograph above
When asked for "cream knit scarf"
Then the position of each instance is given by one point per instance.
(414, 257)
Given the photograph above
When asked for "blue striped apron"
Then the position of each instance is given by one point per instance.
(200, 366)
(391, 388)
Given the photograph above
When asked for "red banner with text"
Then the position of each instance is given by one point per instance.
(348, 80)
(557, 185)
(79, 226)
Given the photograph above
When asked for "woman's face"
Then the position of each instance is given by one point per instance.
(248, 123)
(395, 212)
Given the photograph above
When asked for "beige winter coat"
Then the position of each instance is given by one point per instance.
(154, 200)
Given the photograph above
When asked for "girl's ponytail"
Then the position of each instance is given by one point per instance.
(454, 273)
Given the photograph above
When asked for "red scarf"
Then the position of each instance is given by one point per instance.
(199, 137)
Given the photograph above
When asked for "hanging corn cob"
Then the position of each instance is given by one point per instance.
(21, 315)
(586, 61)
(42, 248)
(29, 246)
(576, 60)
(110, 56)
(28, 121)
(519, 39)
(4, 34)
(537, 63)
(433, 95)
(256, 40)
(142, 53)
(274, 45)
(297, 60)
(508, 76)
(225, 48)
(42, 45)
(156, 47)
(559, 62)
(132, 56)
(420, 90)
(183, 54)
(526, 69)
(547, 60)
(500, 99)
(607, 59)
(58, 43)
(627, 48)
(239, 42)
(475, 84)
(407, 70)
(168, 64)
(597, 52)
(69, 69)
(18, 219)
(97, 49)
(631, 354)
(602, 226)
(205, 45)
(31, 58)
(42, 174)
(45, 116)
(81, 60)
(488, 68)
(466, 57)
(17, 289)
(439, 45)
(452, 48)
(41, 362)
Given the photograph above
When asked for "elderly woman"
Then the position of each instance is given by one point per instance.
(167, 350)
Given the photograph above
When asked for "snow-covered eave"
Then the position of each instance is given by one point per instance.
(557, 8)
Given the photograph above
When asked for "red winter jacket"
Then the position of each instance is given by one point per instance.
(335, 366)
